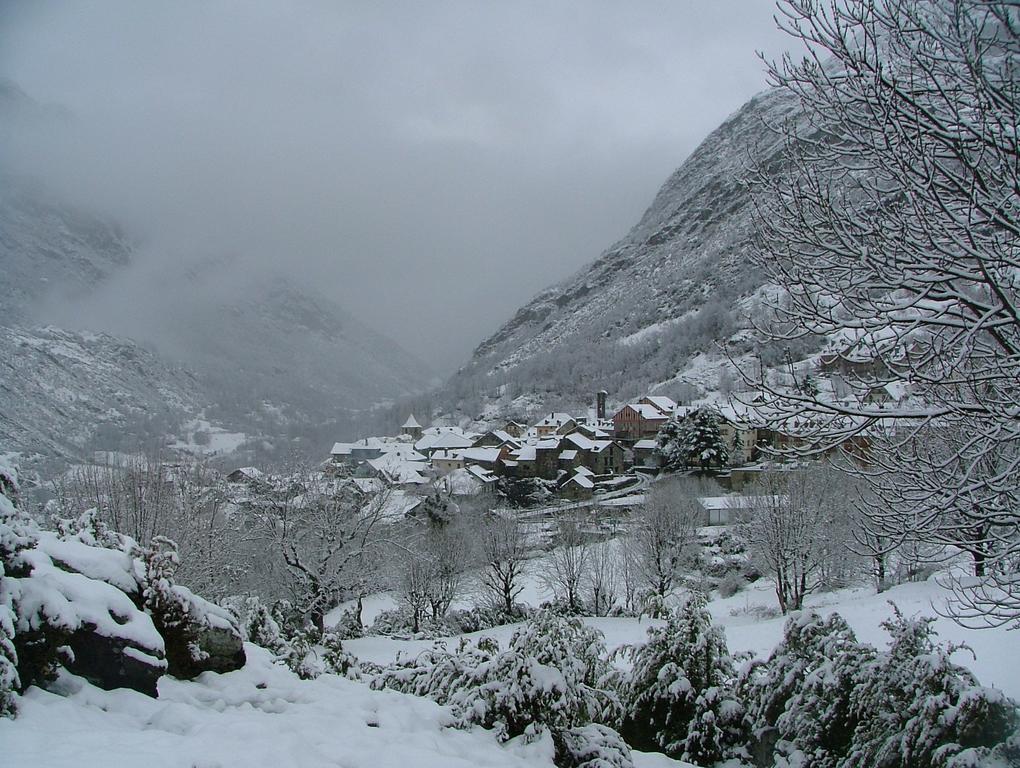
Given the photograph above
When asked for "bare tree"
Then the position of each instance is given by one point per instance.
(895, 228)
(504, 552)
(798, 528)
(604, 566)
(567, 566)
(663, 533)
(323, 530)
(133, 495)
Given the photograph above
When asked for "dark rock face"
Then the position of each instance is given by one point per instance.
(199, 636)
(111, 662)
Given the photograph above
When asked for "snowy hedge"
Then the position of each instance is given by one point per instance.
(553, 675)
(825, 699)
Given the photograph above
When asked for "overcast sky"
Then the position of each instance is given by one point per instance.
(430, 165)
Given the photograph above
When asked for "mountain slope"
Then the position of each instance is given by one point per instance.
(62, 392)
(667, 291)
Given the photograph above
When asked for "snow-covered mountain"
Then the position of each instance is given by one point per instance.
(676, 284)
(254, 351)
(248, 343)
(62, 392)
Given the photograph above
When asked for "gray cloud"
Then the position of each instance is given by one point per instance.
(429, 165)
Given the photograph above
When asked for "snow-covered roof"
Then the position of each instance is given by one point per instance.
(525, 453)
(400, 470)
(411, 423)
(368, 484)
(568, 455)
(598, 446)
(647, 412)
(340, 449)
(582, 480)
(403, 451)
(250, 473)
(556, 420)
(483, 474)
(483, 455)
(460, 482)
(431, 442)
(732, 502)
(548, 444)
(446, 454)
(501, 435)
(645, 445)
(394, 506)
(583, 443)
(584, 471)
(665, 404)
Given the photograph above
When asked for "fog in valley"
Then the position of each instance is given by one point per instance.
(428, 167)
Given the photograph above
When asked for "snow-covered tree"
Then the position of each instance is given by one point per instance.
(679, 697)
(504, 553)
(663, 531)
(15, 536)
(567, 567)
(603, 577)
(693, 441)
(895, 232)
(798, 530)
(324, 533)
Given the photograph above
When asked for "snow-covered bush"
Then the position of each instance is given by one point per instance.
(336, 659)
(824, 699)
(257, 623)
(679, 697)
(14, 537)
(915, 707)
(798, 700)
(552, 675)
(591, 746)
(730, 584)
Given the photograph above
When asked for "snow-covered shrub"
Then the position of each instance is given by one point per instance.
(199, 636)
(552, 675)
(13, 539)
(679, 697)
(348, 626)
(591, 746)
(824, 699)
(799, 699)
(89, 528)
(298, 655)
(336, 659)
(257, 623)
(730, 584)
(915, 707)
(10, 682)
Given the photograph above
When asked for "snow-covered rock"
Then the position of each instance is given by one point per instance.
(94, 627)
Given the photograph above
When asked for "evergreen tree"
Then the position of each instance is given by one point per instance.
(706, 447)
(679, 698)
(693, 441)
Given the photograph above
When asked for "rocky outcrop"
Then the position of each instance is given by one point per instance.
(102, 613)
(86, 625)
(201, 637)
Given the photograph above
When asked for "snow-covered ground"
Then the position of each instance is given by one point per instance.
(262, 715)
(216, 441)
(749, 627)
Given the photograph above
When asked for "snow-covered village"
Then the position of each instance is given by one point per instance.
(584, 385)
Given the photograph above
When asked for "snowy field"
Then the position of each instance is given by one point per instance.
(994, 658)
(262, 715)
